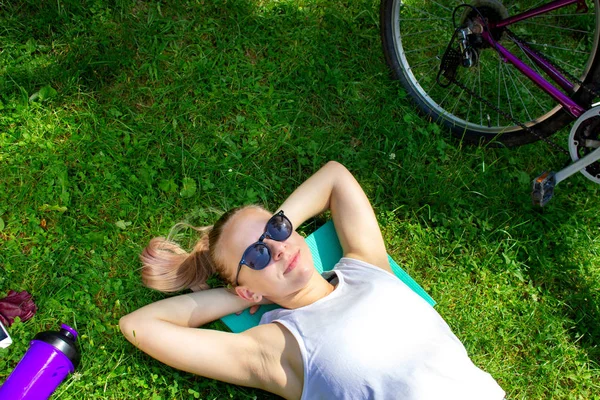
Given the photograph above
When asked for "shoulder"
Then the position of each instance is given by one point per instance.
(355, 264)
(276, 359)
(378, 260)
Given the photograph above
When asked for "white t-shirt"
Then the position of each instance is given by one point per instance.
(374, 338)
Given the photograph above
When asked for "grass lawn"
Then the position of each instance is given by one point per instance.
(120, 118)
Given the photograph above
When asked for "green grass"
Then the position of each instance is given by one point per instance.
(120, 118)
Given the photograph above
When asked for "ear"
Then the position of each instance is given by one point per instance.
(248, 294)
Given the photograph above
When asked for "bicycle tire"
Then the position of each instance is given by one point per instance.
(552, 116)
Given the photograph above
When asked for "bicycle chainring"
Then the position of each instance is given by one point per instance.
(585, 138)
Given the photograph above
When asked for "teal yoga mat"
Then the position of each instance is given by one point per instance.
(326, 251)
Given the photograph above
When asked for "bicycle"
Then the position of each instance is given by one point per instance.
(484, 70)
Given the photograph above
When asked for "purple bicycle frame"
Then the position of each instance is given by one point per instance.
(572, 107)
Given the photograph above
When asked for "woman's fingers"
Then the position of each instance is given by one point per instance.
(252, 310)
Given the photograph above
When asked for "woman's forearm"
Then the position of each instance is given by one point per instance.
(314, 195)
(192, 310)
(334, 188)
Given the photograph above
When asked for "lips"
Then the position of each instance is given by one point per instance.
(293, 263)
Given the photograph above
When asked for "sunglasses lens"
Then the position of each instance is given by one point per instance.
(279, 228)
(257, 256)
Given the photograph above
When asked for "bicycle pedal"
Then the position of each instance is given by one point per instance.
(543, 188)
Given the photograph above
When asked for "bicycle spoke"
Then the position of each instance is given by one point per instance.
(545, 46)
(556, 27)
(470, 101)
(447, 94)
(538, 4)
(434, 67)
(532, 63)
(510, 75)
(530, 94)
(419, 33)
(480, 103)
(421, 49)
(560, 15)
(499, 69)
(564, 65)
(488, 66)
(507, 95)
(462, 92)
(435, 17)
(445, 8)
(421, 63)
(426, 19)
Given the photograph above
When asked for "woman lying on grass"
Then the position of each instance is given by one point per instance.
(362, 335)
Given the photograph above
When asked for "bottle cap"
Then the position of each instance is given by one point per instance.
(70, 332)
(63, 341)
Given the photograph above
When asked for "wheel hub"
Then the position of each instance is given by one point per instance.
(492, 11)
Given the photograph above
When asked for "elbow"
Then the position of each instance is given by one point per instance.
(128, 327)
(337, 170)
(334, 165)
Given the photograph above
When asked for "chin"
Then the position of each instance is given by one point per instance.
(304, 273)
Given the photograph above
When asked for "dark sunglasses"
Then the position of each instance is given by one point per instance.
(257, 256)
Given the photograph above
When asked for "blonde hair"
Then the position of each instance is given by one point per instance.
(167, 267)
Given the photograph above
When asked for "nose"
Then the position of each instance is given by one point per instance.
(277, 248)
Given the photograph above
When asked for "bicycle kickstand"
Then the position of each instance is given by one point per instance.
(543, 185)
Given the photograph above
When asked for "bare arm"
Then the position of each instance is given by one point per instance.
(166, 330)
(333, 187)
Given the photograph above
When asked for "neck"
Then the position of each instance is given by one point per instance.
(317, 288)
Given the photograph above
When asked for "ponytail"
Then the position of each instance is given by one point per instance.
(169, 268)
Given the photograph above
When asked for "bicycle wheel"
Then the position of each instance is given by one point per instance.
(415, 34)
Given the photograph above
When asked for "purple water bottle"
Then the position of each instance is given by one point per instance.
(50, 358)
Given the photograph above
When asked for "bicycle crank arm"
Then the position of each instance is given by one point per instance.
(543, 185)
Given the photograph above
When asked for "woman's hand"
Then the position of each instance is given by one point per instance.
(334, 188)
(254, 308)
